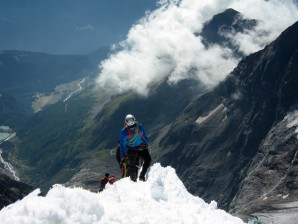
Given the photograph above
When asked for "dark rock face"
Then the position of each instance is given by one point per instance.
(214, 141)
(11, 190)
(273, 173)
(228, 22)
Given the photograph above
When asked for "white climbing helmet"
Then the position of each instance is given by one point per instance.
(130, 120)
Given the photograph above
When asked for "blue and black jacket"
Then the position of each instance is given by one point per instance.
(130, 139)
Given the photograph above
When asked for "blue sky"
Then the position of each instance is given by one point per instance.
(67, 26)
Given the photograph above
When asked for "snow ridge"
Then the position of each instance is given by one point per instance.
(162, 199)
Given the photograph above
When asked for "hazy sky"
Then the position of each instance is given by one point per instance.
(67, 26)
(164, 45)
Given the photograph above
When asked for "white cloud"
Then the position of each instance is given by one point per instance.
(274, 16)
(163, 44)
(86, 27)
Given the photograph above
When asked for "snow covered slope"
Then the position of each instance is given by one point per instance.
(162, 199)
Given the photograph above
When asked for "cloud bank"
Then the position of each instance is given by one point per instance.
(163, 44)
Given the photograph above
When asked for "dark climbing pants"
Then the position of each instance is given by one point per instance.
(132, 163)
(145, 156)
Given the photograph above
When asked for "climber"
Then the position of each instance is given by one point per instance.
(103, 181)
(133, 145)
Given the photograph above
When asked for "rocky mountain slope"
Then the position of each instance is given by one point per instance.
(222, 25)
(11, 190)
(24, 74)
(221, 135)
(11, 112)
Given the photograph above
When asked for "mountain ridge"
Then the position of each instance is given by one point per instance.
(23, 74)
(258, 93)
(12, 190)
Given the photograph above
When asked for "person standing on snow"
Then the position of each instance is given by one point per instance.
(133, 144)
(103, 181)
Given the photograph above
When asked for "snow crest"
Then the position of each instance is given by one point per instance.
(162, 199)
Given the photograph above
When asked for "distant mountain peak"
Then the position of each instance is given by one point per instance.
(229, 21)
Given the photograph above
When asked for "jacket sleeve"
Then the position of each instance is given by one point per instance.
(123, 136)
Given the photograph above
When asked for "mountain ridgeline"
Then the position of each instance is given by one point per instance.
(214, 142)
(220, 141)
(12, 190)
(23, 74)
(228, 22)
